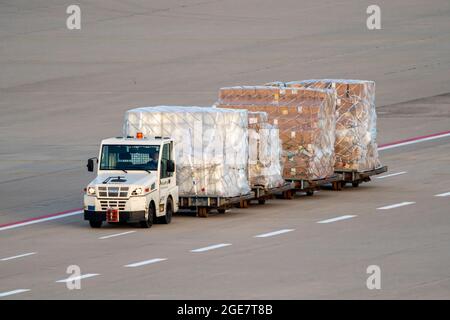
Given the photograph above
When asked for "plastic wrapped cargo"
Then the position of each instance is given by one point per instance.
(264, 159)
(306, 122)
(211, 146)
(356, 128)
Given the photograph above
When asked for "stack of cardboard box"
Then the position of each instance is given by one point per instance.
(306, 122)
(356, 130)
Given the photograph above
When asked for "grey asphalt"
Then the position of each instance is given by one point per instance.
(62, 91)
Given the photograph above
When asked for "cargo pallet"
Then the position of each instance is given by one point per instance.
(204, 204)
(355, 177)
(262, 194)
(307, 186)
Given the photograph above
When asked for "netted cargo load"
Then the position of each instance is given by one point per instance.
(356, 121)
(211, 146)
(264, 158)
(306, 122)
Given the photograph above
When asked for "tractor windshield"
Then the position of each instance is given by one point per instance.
(129, 157)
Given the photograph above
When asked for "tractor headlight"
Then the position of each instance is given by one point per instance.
(138, 191)
(91, 191)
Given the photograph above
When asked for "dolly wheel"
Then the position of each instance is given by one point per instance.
(262, 201)
(221, 210)
(337, 185)
(243, 204)
(355, 184)
(202, 212)
(288, 194)
(310, 193)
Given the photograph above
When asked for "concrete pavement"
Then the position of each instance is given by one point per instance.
(63, 91)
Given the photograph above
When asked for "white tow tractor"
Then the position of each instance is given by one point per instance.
(135, 183)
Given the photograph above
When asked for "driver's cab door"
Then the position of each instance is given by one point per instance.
(167, 179)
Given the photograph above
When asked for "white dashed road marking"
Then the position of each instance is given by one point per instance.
(397, 205)
(143, 263)
(447, 194)
(391, 175)
(348, 216)
(216, 246)
(18, 256)
(274, 233)
(84, 276)
(116, 235)
(10, 293)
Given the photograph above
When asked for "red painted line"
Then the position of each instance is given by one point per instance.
(38, 218)
(413, 139)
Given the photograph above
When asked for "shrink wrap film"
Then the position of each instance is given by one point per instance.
(306, 121)
(264, 159)
(211, 146)
(356, 129)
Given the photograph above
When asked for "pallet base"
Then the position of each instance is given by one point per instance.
(204, 204)
(262, 194)
(308, 186)
(355, 177)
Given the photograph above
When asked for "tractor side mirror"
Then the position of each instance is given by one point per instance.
(170, 166)
(90, 165)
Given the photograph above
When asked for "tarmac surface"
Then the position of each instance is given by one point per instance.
(62, 91)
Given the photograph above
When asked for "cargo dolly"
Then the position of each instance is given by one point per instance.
(204, 204)
(355, 177)
(307, 186)
(262, 194)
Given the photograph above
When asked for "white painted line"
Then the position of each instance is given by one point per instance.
(414, 140)
(397, 205)
(84, 276)
(348, 216)
(391, 175)
(10, 293)
(22, 224)
(447, 194)
(116, 235)
(143, 263)
(216, 246)
(274, 233)
(18, 256)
